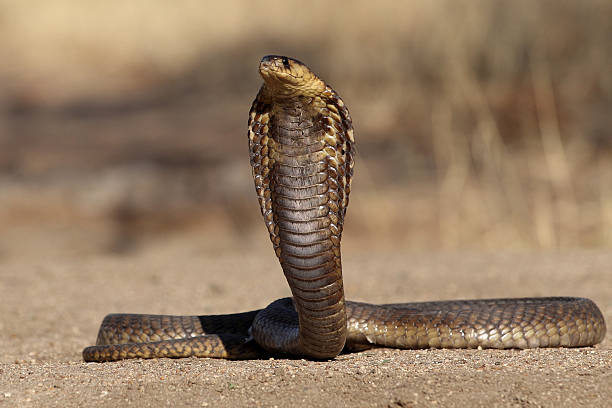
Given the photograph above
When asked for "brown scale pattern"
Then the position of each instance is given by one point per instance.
(301, 148)
(302, 181)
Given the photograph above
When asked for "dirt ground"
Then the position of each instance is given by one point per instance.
(52, 307)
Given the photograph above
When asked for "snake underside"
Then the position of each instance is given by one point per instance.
(301, 149)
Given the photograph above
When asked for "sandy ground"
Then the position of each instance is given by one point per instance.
(52, 307)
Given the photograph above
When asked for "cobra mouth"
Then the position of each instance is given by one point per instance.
(282, 68)
(287, 77)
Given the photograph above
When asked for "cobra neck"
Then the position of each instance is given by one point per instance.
(309, 241)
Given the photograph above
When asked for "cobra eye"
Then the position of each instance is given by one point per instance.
(286, 62)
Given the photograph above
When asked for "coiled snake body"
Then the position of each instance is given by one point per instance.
(301, 148)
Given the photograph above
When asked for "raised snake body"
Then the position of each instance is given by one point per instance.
(301, 149)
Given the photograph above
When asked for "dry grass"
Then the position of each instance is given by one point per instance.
(479, 123)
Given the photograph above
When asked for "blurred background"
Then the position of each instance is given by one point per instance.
(480, 124)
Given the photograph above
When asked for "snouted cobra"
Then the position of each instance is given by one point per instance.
(301, 149)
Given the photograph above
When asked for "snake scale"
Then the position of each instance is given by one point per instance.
(301, 151)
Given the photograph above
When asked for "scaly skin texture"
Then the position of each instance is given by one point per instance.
(301, 148)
